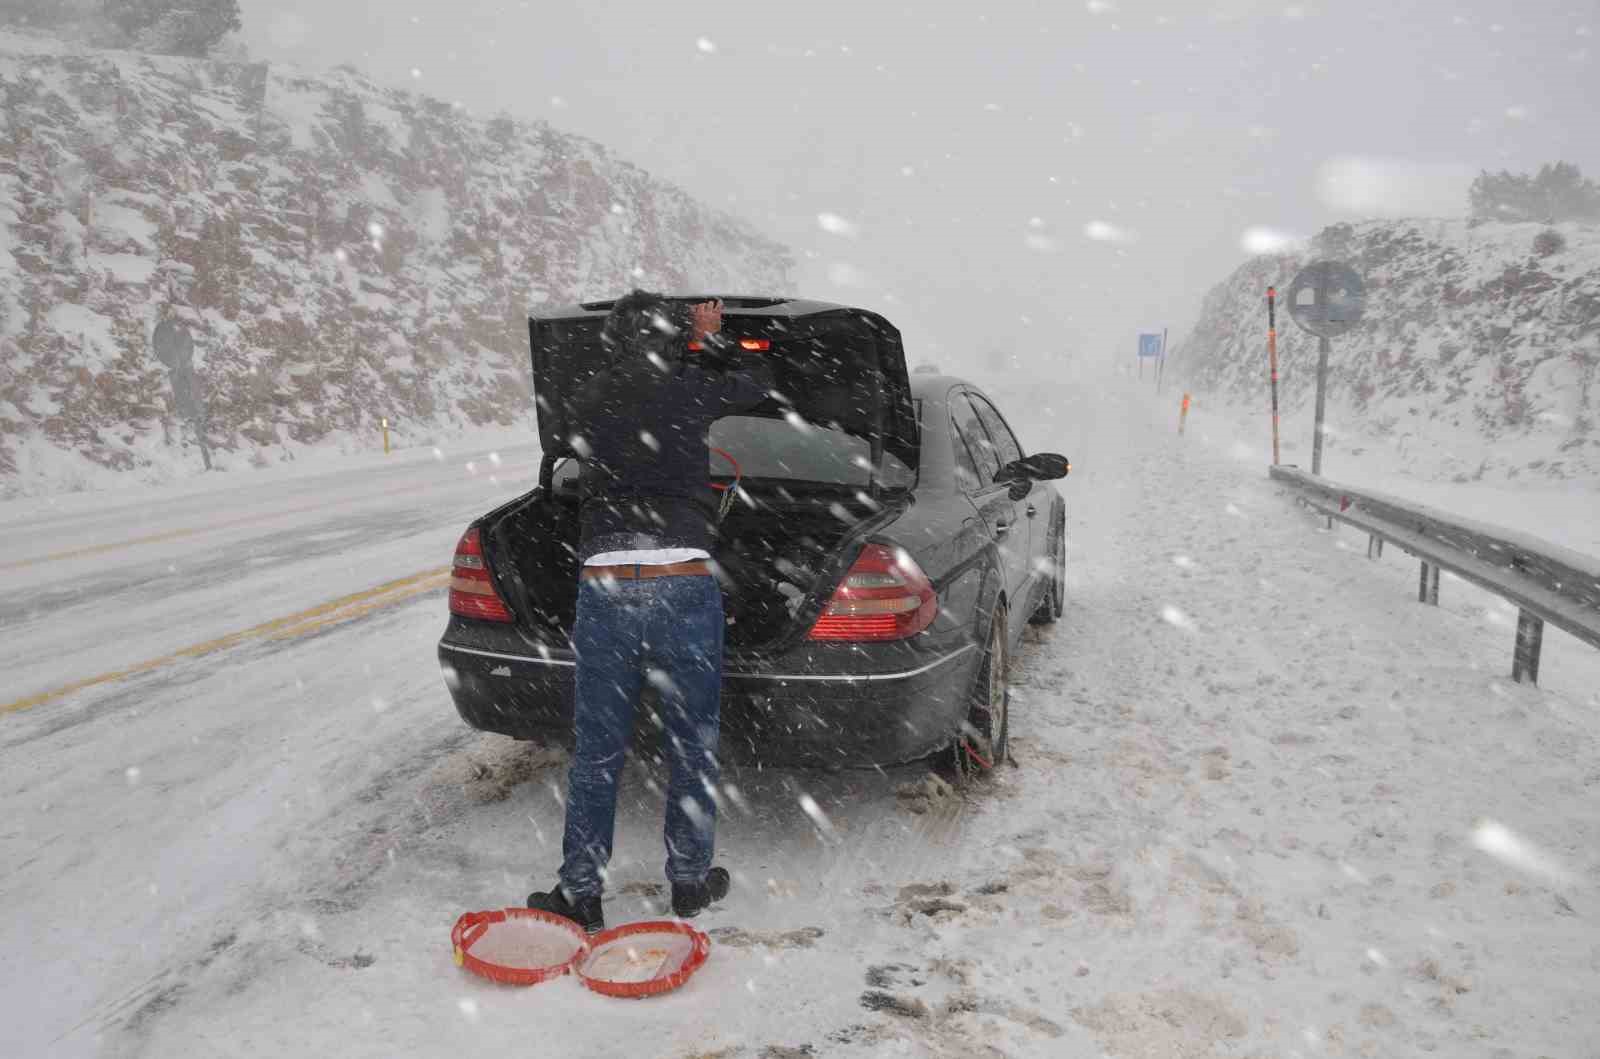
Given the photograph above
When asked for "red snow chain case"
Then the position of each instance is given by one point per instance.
(642, 959)
(517, 946)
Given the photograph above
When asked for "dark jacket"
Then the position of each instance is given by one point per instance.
(643, 446)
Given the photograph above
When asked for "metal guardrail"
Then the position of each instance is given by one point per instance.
(1547, 582)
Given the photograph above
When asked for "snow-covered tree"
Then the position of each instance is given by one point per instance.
(59, 16)
(175, 27)
(29, 12)
(1556, 193)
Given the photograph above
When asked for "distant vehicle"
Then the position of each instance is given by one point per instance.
(887, 543)
(926, 369)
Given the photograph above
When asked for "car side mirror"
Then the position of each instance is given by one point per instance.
(1041, 467)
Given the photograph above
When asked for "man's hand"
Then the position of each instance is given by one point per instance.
(707, 320)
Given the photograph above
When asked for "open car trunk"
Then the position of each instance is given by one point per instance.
(782, 558)
(840, 368)
(823, 463)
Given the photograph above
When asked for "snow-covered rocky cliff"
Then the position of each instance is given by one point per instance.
(1478, 358)
(340, 252)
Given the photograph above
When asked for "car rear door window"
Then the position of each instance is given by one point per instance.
(975, 439)
(966, 470)
(1005, 442)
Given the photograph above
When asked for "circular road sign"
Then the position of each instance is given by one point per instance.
(1327, 298)
(173, 344)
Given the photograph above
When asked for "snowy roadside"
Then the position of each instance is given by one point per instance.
(1248, 818)
(1565, 512)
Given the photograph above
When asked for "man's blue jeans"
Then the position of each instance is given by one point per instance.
(666, 631)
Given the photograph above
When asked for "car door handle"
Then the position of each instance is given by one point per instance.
(1032, 511)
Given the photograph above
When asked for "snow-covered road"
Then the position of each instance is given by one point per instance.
(1265, 803)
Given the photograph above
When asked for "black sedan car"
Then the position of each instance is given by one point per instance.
(883, 543)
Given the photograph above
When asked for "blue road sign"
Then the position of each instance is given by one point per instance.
(1150, 345)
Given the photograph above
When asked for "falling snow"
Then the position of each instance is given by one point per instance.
(1106, 232)
(837, 225)
(1259, 801)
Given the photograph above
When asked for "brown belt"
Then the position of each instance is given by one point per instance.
(632, 571)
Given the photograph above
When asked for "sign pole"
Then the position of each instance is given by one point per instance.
(1272, 356)
(1161, 365)
(200, 423)
(1323, 347)
(1337, 299)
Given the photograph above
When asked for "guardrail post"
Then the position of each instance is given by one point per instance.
(1530, 638)
(1374, 546)
(1428, 584)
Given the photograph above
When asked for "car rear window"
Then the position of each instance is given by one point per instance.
(777, 448)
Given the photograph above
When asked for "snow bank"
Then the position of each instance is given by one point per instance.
(342, 254)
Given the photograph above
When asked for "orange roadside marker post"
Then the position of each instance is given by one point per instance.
(1183, 413)
(1272, 356)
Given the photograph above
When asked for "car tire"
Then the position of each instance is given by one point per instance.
(1054, 603)
(983, 743)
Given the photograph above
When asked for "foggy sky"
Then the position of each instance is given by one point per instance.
(968, 146)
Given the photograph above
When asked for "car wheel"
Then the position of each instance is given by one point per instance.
(983, 742)
(1055, 599)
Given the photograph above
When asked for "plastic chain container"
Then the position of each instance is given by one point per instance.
(642, 959)
(517, 946)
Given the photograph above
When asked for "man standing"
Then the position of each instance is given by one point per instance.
(649, 608)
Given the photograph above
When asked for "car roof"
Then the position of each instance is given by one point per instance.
(733, 304)
(936, 385)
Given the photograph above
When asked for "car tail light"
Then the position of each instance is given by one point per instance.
(754, 345)
(885, 596)
(472, 592)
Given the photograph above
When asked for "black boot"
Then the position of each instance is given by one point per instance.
(689, 898)
(585, 911)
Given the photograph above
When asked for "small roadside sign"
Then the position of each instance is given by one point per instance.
(1150, 345)
(174, 347)
(173, 344)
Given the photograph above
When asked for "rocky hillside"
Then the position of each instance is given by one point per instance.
(340, 253)
(1479, 355)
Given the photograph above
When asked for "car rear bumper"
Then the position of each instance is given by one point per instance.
(833, 705)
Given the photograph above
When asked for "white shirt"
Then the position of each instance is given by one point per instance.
(647, 557)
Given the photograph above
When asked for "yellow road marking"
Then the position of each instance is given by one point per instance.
(335, 610)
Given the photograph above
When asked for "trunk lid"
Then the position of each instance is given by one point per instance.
(833, 365)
